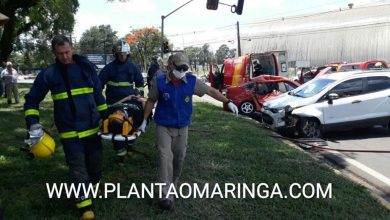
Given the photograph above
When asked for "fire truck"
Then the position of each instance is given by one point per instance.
(241, 69)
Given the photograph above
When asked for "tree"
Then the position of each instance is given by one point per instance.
(32, 53)
(199, 55)
(144, 44)
(193, 54)
(98, 39)
(232, 53)
(205, 54)
(34, 17)
(222, 53)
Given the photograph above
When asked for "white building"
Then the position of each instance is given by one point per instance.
(349, 35)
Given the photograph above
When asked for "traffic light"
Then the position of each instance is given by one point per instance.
(166, 47)
(212, 4)
(240, 5)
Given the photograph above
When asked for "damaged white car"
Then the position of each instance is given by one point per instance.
(338, 101)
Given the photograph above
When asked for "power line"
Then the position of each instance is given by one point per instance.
(227, 27)
(233, 26)
(197, 43)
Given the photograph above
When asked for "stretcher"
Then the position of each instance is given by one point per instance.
(129, 138)
(132, 107)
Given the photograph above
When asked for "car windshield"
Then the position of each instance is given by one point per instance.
(311, 88)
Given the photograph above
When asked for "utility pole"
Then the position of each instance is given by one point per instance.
(238, 40)
(162, 35)
(162, 25)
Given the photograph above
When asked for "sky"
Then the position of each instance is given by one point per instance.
(194, 25)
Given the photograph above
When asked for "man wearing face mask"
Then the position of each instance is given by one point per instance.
(122, 78)
(174, 92)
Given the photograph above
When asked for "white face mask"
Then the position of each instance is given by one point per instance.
(178, 74)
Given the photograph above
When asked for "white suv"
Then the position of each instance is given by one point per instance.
(332, 102)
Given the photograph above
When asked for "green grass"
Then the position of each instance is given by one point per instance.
(222, 149)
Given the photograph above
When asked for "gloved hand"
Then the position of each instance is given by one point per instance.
(35, 133)
(232, 107)
(143, 126)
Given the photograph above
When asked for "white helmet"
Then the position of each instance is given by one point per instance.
(121, 47)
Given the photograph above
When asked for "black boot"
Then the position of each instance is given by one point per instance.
(120, 156)
(130, 150)
(120, 160)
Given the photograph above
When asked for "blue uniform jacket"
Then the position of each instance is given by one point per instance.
(121, 80)
(86, 93)
(174, 106)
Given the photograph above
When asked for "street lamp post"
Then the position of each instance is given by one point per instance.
(162, 25)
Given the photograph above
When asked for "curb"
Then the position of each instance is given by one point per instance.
(332, 161)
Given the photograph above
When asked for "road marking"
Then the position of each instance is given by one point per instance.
(364, 168)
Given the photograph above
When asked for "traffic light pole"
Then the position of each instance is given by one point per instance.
(162, 26)
(238, 40)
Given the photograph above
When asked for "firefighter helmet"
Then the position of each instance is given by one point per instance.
(118, 123)
(121, 47)
(44, 148)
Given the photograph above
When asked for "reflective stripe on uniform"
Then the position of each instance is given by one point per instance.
(84, 203)
(111, 83)
(82, 134)
(81, 91)
(59, 96)
(31, 112)
(74, 92)
(102, 107)
(140, 88)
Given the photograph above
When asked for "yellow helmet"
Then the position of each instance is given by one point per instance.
(44, 148)
(118, 123)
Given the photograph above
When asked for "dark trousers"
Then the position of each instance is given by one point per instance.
(1, 88)
(84, 158)
(120, 147)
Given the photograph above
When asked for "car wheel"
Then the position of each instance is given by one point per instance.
(247, 108)
(309, 128)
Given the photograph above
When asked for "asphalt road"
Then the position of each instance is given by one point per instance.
(371, 167)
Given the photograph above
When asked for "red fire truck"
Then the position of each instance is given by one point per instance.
(237, 70)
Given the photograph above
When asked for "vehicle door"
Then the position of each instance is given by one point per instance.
(349, 106)
(376, 98)
(263, 91)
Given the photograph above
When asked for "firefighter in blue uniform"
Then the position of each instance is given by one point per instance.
(122, 78)
(154, 67)
(78, 107)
